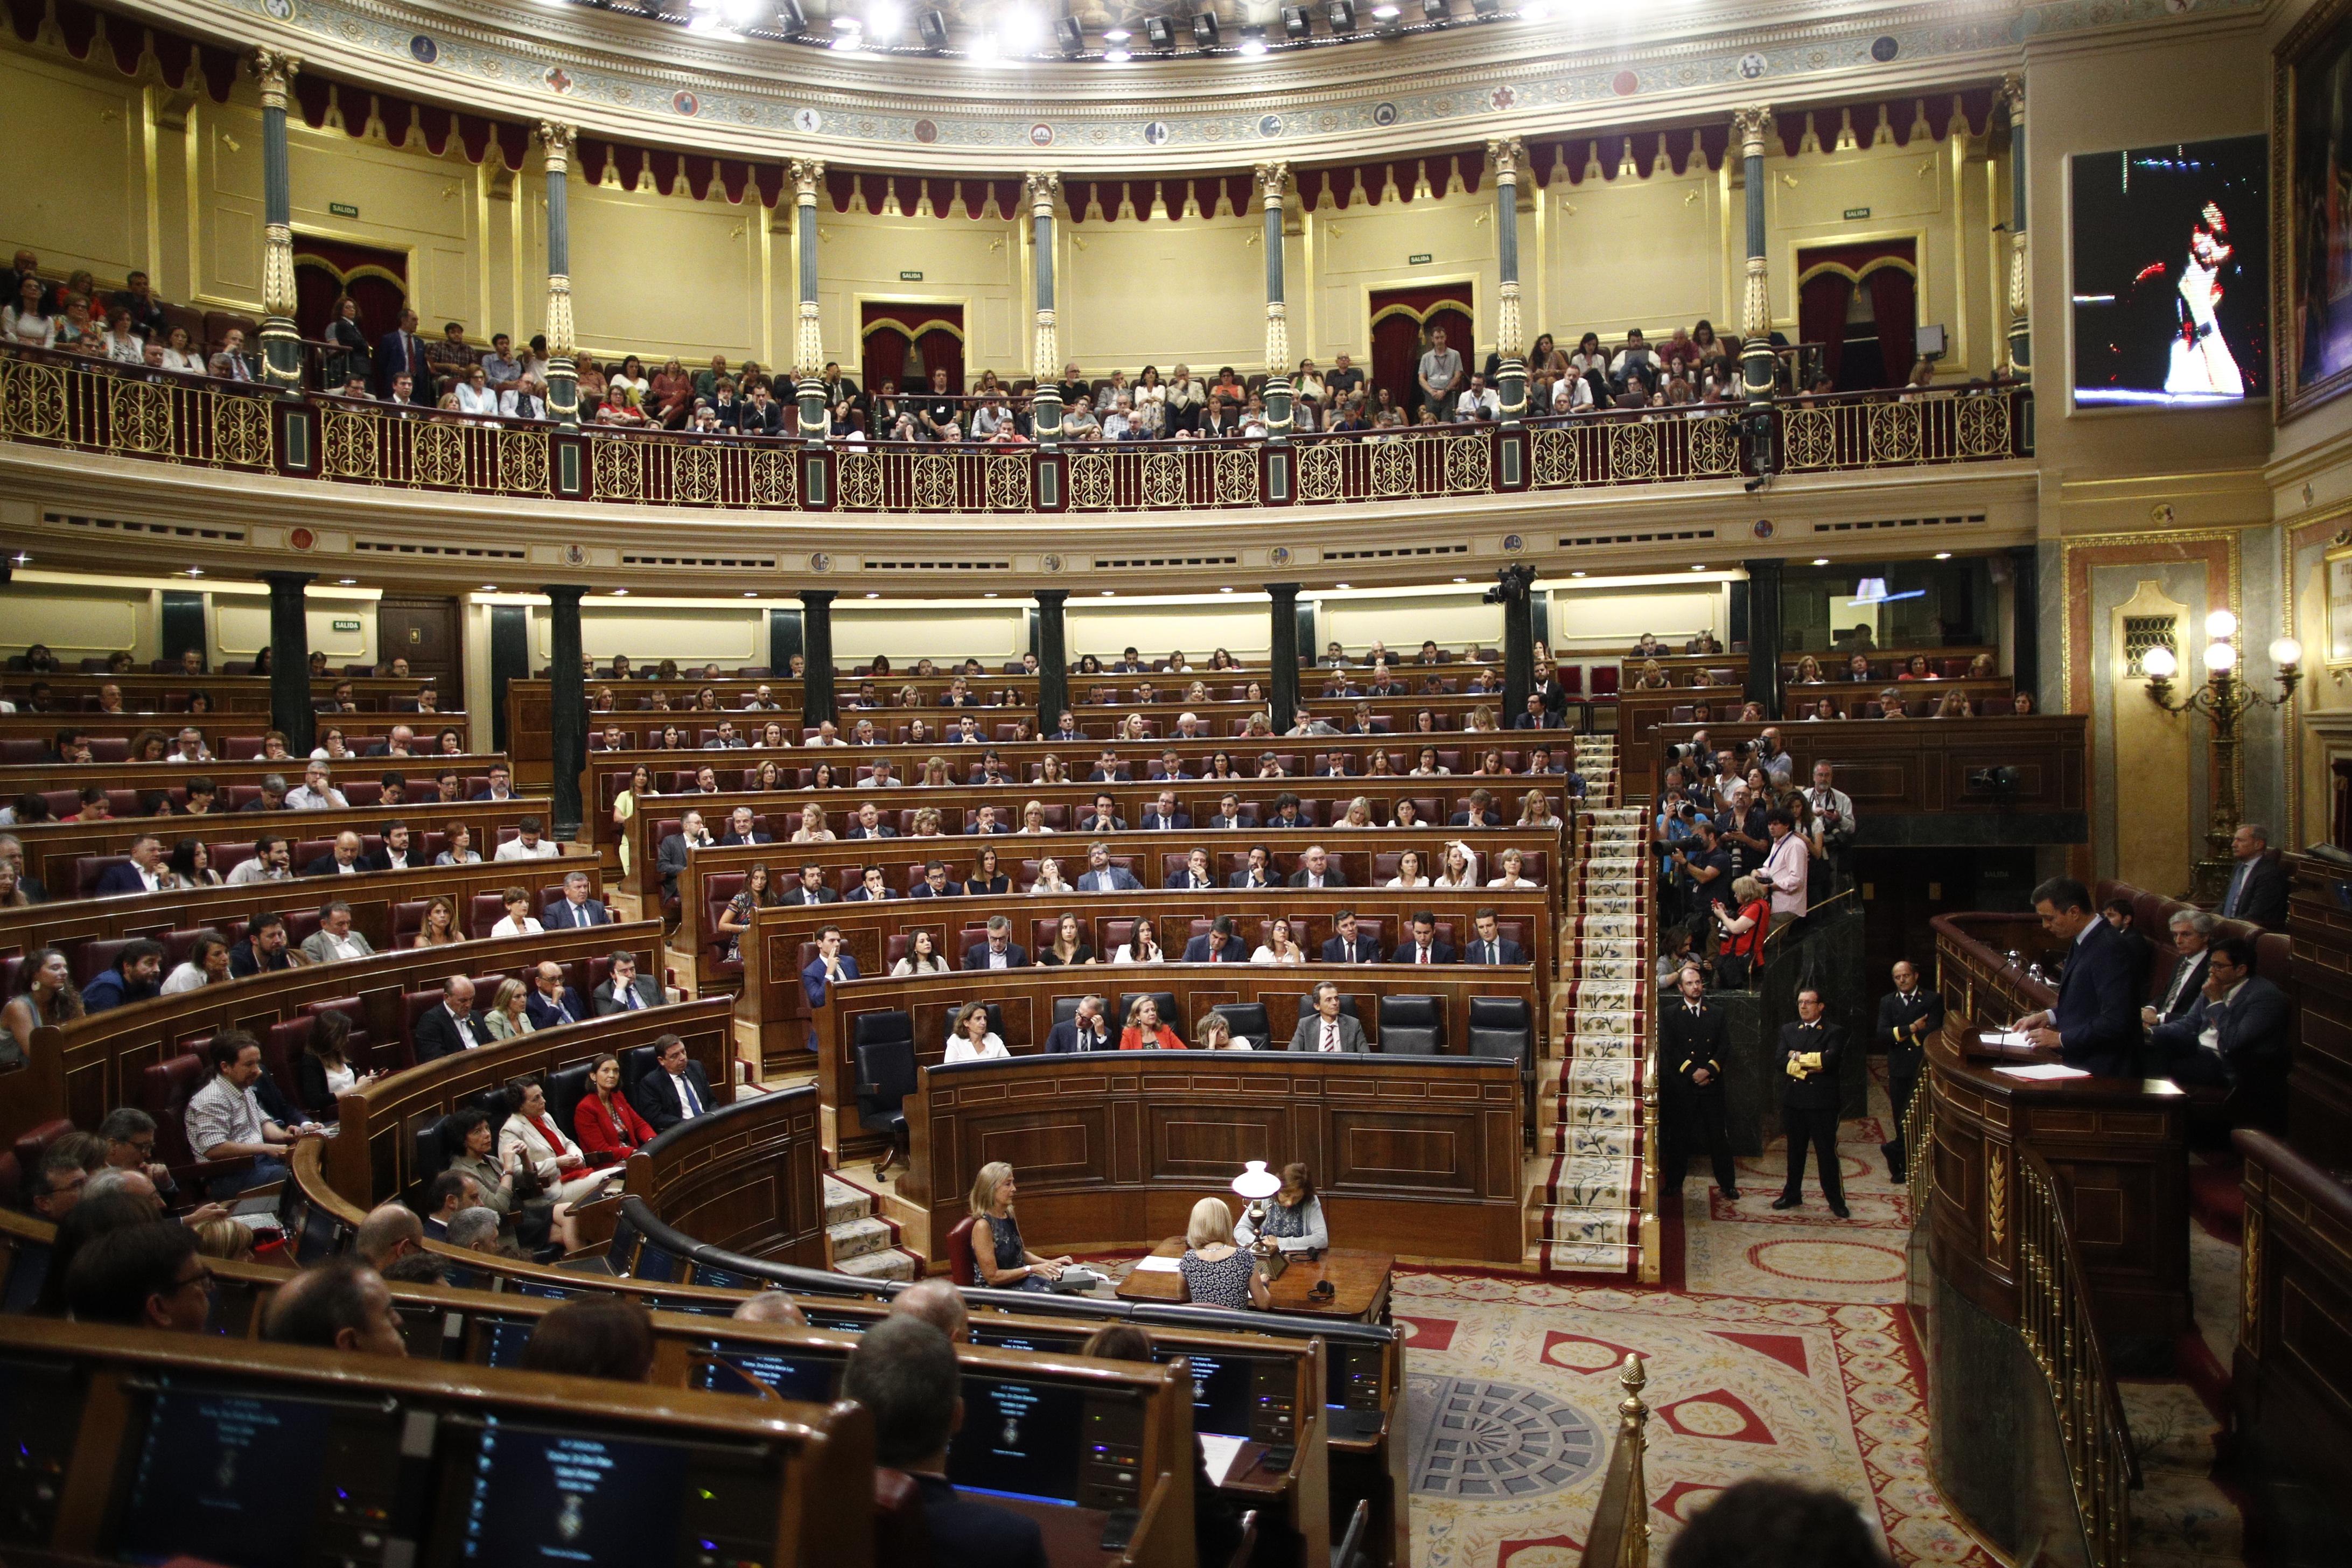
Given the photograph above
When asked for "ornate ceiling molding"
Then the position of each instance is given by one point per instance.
(635, 79)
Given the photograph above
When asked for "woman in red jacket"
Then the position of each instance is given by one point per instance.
(607, 1125)
(1145, 1032)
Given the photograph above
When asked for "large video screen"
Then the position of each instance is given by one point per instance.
(2172, 274)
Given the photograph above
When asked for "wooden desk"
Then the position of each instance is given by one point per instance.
(1360, 1283)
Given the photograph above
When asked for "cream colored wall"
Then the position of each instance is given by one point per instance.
(663, 275)
(906, 633)
(1632, 252)
(89, 617)
(1132, 294)
(1454, 620)
(240, 623)
(1244, 629)
(81, 199)
(975, 263)
(408, 201)
(1606, 621)
(1365, 248)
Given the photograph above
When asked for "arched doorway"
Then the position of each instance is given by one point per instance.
(1401, 321)
(1859, 304)
(902, 341)
(325, 269)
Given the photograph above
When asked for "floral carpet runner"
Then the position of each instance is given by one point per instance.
(1583, 1195)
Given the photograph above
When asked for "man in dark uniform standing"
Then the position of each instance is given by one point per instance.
(1693, 1046)
(1810, 1050)
(1907, 1016)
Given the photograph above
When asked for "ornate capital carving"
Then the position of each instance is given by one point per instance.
(2013, 93)
(808, 173)
(561, 340)
(274, 69)
(1506, 153)
(1751, 124)
(555, 141)
(1273, 183)
(1044, 190)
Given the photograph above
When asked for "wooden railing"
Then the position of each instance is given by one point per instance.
(1620, 1536)
(2056, 1318)
(64, 401)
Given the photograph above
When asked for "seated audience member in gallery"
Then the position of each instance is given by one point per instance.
(2237, 1036)
(904, 1371)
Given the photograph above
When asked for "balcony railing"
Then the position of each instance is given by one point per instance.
(63, 400)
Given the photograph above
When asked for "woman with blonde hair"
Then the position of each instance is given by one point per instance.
(439, 928)
(1145, 1032)
(1509, 863)
(508, 1015)
(1535, 811)
(1002, 1258)
(1653, 676)
(812, 829)
(1359, 813)
(1460, 868)
(1954, 705)
(1049, 877)
(935, 772)
(1482, 721)
(1216, 1272)
(1134, 728)
(1740, 937)
(1051, 771)
(1033, 819)
(926, 823)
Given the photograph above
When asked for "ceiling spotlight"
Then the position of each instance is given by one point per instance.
(1576, 573)
(1437, 11)
(790, 20)
(1204, 31)
(1339, 585)
(1116, 35)
(1297, 21)
(1117, 55)
(1821, 559)
(932, 27)
(1385, 12)
(850, 39)
(489, 587)
(1225, 590)
(620, 592)
(872, 594)
(1535, 11)
(1253, 42)
(1160, 32)
(1021, 27)
(1070, 36)
(1341, 16)
(347, 582)
(982, 47)
(1943, 555)
(883, 20)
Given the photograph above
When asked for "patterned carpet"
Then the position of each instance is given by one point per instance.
(1784, 1352)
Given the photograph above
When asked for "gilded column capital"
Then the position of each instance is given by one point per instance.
(1273, 183)
(1043, 187)
(2013, 93)
(1752, 124)
(1506, 153)
(555, 139)
(808, 173)
(274, 69)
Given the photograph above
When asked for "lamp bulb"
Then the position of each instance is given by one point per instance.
(2222, 624)
(2159, 663)
(2220, 657)
(2286, 653)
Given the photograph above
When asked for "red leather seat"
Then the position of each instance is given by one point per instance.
(165, 1090)
(961, 1268)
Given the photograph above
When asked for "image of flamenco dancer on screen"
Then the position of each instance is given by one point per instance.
(2201, 365)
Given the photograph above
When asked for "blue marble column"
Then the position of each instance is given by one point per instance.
(1043, 188)
(562, 368)
(281, 344)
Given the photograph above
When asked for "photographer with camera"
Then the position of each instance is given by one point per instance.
(1833, 812)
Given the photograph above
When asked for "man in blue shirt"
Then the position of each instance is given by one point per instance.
(136, 974)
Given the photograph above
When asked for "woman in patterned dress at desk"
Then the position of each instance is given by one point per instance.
(1217, 1272)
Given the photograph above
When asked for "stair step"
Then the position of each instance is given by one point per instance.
(843, 1203)
(891, 1263)
(857, 1238)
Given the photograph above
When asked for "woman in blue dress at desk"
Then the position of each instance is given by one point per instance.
(997, 1251)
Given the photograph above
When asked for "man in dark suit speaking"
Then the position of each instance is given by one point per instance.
(2096, 1026)
(2237, 1036)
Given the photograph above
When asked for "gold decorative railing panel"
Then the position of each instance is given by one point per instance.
(2055, 1319)
(60, 400)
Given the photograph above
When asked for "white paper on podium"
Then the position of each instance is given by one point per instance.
(1158, 1266)
(2042, 1070)
(1219, 1450)
(2008, 1037)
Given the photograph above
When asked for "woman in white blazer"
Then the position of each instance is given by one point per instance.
(563, 1170)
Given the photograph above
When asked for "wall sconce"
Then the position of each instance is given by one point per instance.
(2224, 697)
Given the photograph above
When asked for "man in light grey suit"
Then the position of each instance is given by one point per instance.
(1327, 1030)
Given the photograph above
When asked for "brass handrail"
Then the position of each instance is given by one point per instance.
(1620, 1536)
(2056, 1318)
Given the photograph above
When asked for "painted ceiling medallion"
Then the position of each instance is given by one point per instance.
(807, 121)
(1157, 133)
(1384, 114)
(1624, 84)
(423, 49)
(1884, 49)
(556, 79)
(1269, 125)
(1040, 135)
(281, 9)
(686, 103)
(1752, 65)
(927, 131)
